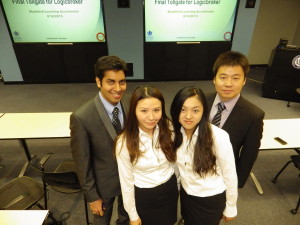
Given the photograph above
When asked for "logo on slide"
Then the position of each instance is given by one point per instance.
(149, 35)
(227, 36)
(17, 37)
(100, 37)
(296, 62)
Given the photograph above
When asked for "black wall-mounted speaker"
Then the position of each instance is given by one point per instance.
(250, 3)
(123, 3)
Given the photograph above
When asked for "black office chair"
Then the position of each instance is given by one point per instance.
(22, 193)
(295, 159)
(63, 179)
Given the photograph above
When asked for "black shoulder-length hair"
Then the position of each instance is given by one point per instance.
(204, 158)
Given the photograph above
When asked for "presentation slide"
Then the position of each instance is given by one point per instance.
(47, 21)
(189, 20)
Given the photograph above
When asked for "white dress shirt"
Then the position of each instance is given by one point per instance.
(152, 169)
(211, 184)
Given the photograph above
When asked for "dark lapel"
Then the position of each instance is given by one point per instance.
(104, 117)
(235, 115)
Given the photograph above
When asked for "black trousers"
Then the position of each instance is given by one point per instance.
(202, 210)
(158, 205)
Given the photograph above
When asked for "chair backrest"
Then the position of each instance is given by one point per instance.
(38, 164)
(20, 193)
(66, 182)
(63, 179)
(296, 160)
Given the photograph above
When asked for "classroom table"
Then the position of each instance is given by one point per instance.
(287, 130)
(23, 126)
(23, 217)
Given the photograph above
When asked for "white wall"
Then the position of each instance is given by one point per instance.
(296, 40)
(244, 27)
(124, 28)
(276, 19)
(8, 62)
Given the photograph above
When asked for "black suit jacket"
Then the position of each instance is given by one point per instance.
(92, 143)
(244, 126)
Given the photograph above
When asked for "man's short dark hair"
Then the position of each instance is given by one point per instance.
(105, 63)
(231, 58)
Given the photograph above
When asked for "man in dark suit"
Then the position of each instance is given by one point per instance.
(92, 141)
(242, 120)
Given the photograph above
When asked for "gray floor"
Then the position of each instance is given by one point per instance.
(271, 208)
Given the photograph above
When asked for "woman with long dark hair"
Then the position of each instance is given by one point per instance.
(145, 157)
(205, 161)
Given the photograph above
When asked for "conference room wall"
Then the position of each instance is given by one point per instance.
(297, 35)
(8, 62)
(125, 37)
(124, 28)
(276, 19)
(245, 24)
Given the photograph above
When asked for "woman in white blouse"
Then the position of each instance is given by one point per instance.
(145, 157)
(205, 161)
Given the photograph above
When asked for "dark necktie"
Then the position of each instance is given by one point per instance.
(115, 120)
(217, 118)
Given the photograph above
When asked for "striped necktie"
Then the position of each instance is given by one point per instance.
(217, 118)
